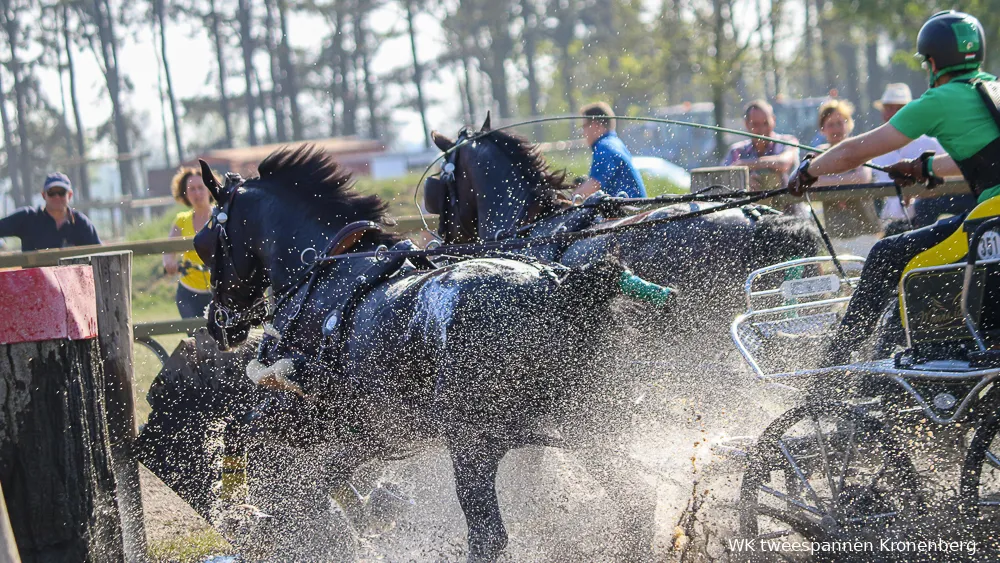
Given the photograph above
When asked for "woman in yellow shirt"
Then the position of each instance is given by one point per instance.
(193, 289)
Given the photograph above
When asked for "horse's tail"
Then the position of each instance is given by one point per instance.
(591, 286)
(596, 284)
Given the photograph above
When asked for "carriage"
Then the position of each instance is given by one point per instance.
(880, 451)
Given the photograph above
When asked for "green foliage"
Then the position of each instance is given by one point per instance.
(189, 549)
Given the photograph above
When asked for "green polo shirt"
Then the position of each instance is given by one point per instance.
(956, 116)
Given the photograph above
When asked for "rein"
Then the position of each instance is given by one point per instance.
(466, 138)
(474, 249)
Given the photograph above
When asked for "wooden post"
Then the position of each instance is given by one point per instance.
(733, 178)
(8, 547)
(113, 288)
(55, 456)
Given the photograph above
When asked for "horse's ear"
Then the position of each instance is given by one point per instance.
(486, 124)
(442, 142)
(211, 182)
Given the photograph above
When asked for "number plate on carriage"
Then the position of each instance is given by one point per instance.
(989, 246)
(810, 287)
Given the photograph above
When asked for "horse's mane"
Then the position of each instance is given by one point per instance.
(547, 185)
(314, 177)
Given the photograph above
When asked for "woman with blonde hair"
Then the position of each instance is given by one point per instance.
(852, 218)
(194, 291)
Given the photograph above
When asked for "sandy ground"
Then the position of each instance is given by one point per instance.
(554, 510)
(167, 516)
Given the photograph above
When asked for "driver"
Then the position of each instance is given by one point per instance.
(951, 46)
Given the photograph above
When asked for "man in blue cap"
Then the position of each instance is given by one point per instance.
(53, 225)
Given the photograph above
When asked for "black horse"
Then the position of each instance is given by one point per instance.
(499, 183)
(477, 352)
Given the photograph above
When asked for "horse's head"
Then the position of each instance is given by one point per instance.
(267, 230)
(239, 277)
(491, 182)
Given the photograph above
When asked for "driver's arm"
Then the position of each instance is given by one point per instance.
(856, 151)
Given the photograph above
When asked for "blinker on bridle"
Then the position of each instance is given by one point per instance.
(227, 313)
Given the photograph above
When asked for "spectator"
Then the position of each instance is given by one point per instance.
(855, 217)
(194, 290)
(770, 163)
(52, 225)
(611, 169)
(927, 209)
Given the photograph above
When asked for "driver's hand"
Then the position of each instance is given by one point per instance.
(171, 267)
(801, 179)
(906, 172)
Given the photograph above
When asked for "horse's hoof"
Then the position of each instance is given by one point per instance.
(384, 504)
(488, 552)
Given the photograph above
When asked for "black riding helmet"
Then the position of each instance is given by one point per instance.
(954, 40)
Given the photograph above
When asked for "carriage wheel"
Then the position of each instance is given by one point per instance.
(155, 347)
(826, 472)
(980, 486)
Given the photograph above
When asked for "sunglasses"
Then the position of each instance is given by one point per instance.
(56, 193)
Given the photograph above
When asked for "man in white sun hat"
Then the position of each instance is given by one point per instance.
(926, 209)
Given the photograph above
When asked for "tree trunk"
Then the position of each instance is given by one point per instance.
(776, 7)
(56, 460)
(336, 80)
(264, 99)
(498, 85)
(871, 118)
(289, 82)
(160, 7)
(81, 145)
(848, 52)
(247, 45)
(12, 154)
(163, 103)
(64, 116)
(530, 52)
(829, 68)
(20, 105)
(277, 104)
(566, 70)
(418, 74)
(361, 47)
(469, 92)
(348, 100)
(220, 57)
(109, 51)
(810, 52)
(718, 92)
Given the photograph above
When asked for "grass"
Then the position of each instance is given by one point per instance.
(192, 548)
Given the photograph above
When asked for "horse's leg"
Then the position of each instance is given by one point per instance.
(475, 461)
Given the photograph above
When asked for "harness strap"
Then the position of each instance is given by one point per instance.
(516, 244)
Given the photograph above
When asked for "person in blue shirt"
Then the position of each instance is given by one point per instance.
(53, 225)
(611, 170)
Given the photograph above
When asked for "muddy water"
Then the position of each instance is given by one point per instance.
(555, 511)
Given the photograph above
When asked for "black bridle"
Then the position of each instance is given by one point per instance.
(215, 247)
(445, 193)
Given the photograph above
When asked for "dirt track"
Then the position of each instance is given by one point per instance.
(555, 511)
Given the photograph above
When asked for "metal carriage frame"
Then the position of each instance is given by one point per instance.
(836, 467)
